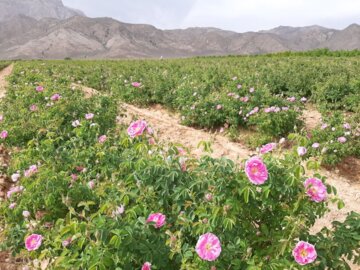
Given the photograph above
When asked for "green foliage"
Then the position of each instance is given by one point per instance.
(258, 226)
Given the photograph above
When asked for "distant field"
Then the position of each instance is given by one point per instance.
(260, 93)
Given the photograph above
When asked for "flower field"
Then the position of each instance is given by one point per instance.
(89, 193)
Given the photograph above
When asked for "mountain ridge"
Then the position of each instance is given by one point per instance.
(71, 34)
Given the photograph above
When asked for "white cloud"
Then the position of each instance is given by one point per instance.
(237, 15)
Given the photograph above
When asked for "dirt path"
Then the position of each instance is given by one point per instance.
(311, 117)
(169, 129)
(3, 83)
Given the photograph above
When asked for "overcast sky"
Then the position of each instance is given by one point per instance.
(236, 15)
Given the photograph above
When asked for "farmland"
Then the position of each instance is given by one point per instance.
(89, 190)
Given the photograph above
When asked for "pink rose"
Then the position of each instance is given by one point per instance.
(291, 99)
(55, 97)
(157, 218)
(137, 128)
(15, 177)
(315, 189)
(152, 141)
(347, 126)
(342, 140)
(324, 126)
(181, 151)
(252, 90)
(208, 247)
(1, 117)
(31, 171)
(12, 205)
(301, 151)
(208, 197)
(4, 134)
(149, 130)
(75, 123)
(256, 170)
(267, 148)
(33, 242)
(119, 211)
(14, 190)
(89, 116)
(74, 177)
(91, 184)
(39, 88)
(102, 139)
(33, 108)
(136, 84)
(26, 214)
(244, 99)
(315, 145)
(304, 253)
(66, 242)
(146, 266)
(219, 107)
(239, 86)
(182, 162)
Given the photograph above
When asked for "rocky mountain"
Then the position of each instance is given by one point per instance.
(63, 33)
(36, 9)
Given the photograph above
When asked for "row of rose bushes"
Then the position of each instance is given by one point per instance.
(329, 81)
(205, 96)
(336, 138)
(90, 195)
(268, 98)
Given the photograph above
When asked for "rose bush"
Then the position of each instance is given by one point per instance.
(153, 206)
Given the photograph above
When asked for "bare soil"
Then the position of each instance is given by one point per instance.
(311, 117)
(3, 82)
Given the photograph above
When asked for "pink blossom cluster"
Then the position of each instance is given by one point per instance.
(267, 148)
(33, 169)
(55, 97)
(291, 99)
(136, 84)
(275, 109)
(14, 190)
(244, 99)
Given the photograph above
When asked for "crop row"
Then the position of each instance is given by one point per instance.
(88, 194)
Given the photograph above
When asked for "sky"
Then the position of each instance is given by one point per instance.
(235, 15)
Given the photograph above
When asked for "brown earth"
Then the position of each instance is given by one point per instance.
(311, 117)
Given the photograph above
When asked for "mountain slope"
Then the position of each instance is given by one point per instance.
(36, 9)
(47, 29)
